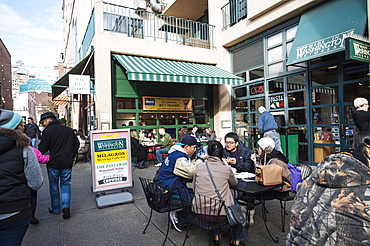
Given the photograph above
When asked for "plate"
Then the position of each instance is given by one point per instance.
(245, 175)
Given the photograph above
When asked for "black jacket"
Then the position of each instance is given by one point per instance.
(62, 144)
(32, 130)
(361, 119)
(243, 158)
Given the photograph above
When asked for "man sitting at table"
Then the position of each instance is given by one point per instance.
(165, 141)
(237, 155)
(179, 156)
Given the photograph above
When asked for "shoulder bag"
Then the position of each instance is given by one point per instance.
(234, 212)
(269, 174)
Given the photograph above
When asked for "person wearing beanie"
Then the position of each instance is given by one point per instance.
(63, 146)
(361, 116)
(267, 127)
(19, 173)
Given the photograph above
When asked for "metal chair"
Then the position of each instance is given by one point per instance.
(154, 206)
(203, 212)
(84, 152)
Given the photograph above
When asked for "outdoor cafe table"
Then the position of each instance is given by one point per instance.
(252, 196)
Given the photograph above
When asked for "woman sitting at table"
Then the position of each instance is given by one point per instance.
(137, 150)
(208, 134)
(223, 177)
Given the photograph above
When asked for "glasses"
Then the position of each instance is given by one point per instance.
(230, 143)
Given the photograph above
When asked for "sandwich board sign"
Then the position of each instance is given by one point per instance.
(111, 166)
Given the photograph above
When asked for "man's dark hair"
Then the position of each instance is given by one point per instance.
(215, 149)
(232, 135)
(30, 118)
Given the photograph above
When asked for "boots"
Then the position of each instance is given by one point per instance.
(140, 164)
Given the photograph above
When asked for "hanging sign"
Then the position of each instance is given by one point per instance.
(111, 162)
(79, 84)
(357, 50)
(167, 104)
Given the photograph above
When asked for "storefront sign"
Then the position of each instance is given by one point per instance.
(167, 104)
(257, 89)
(321, 47)
(276, 101)
(111, 167)
(79, 84)
(357, 50)
(38, 85)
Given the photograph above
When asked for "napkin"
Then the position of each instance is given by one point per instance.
(245, 175)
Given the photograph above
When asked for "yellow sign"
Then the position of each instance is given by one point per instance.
(167, 104)
(110, 156)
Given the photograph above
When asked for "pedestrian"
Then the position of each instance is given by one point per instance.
(32, 131)
(361, 116)
(19, 173)
(267, 127)
(41, 159)
(63, 146)
(237, 155)
(178, 156)
(165, 141)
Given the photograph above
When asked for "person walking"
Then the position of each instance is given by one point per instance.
(165, 141)
(361, 116)
(32, 131)
(267, 127)
(63, 146)
(19, 173)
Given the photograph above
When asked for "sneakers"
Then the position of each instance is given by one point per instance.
(66, 213)
(158, 164)
(34, 221)
(175, 221)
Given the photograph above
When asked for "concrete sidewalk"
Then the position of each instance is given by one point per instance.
(123, 224)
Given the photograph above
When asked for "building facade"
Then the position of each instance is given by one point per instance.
(6, 78)
(291, 56)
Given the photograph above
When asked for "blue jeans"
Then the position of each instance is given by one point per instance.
(12, 234)
(64, 177)
(33, 142)
(276, 137)
(159, 152)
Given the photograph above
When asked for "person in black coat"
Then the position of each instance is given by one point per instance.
(138, 150)
(32, 131)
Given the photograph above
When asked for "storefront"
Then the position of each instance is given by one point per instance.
(165, 93)
(300, 73)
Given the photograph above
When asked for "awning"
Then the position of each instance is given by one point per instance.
(322, 29)
(63, 83)
(150, 69)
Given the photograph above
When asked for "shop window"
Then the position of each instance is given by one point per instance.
(297, 117)
(275, 68)
(291, 32)
(186, 118)
(240, 92)
(125, 103)
(297, 82)
(257, 89)
(325, 76)
(325, 95)
(355, 70)
(125, 119)
(274, 40)
(241, 107)
(297, 99)
(256, 73)
(275, 54)
(241, 120)
(276, 85)
(167, 119)
(331, 57)
(149, 118)
(360, 89)
(202, 118)
(254, 104)
(201, 104)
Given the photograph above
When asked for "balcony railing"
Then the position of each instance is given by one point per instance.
(233, 12)
(142, 24)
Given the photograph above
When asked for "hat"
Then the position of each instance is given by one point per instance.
(47, 115)
(358, 102)
(267, 144)
(261, 109)
(188, 140)
(9, 119)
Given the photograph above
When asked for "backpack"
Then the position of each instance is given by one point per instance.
(295, 176)
(158, 196)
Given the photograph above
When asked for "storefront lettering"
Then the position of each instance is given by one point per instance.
(258, 89)
(324, 45)
(361, 50)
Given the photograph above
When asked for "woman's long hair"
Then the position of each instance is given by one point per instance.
(362, 143)
(215, 149)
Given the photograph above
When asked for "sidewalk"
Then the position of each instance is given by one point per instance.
(123, 224)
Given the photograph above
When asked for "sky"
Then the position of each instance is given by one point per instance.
(32, 32)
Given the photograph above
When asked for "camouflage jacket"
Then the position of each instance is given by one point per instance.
(332, 207)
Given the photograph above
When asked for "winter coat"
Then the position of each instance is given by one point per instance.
(19, 172)
(62, 143)
(361, 119)
(40, 157)
(332, 207)
(138, 150)
(223, 177)
(32, 130)
(166, 141)
(266, 122)
(243, 158)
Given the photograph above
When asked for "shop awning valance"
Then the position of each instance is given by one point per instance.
(151, 69)
(322, 29)
(63, 83)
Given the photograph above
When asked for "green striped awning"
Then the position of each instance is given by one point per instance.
(151, 69)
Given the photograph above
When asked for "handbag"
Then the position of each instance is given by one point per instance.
(269, 174)
(234, 212)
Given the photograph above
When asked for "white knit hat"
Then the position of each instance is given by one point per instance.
(358, 102)
(261, 109)
(267, 144)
